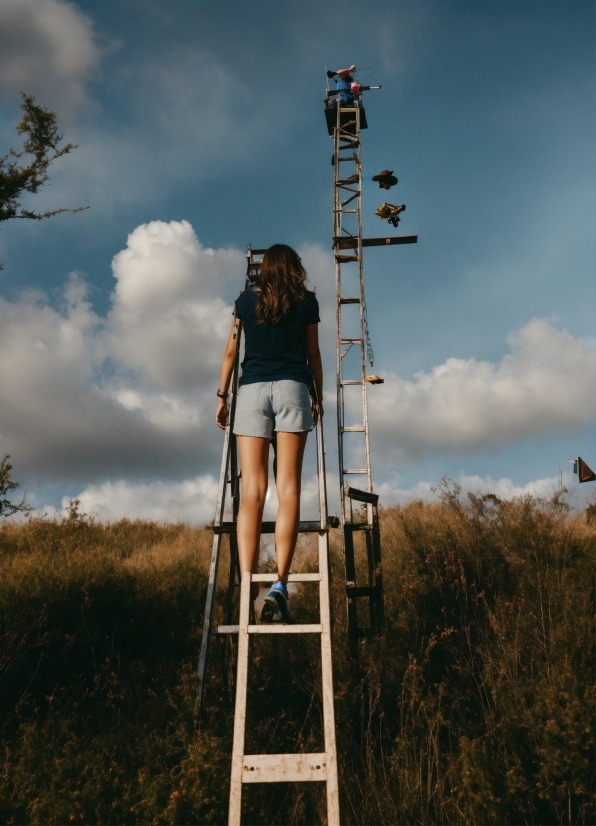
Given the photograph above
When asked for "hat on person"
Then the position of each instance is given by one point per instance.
(386, 179)
(346, 71)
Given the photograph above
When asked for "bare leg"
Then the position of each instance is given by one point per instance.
(254, 459)
(290, 452)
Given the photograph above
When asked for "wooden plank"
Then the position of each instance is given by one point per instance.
(281, 628)
(284, 768)
(269, 527)
(291, 578)
(224, 629)
(362, 496)
(235, 805)
(387, 241)
(333, 816)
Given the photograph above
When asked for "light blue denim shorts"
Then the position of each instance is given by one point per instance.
(266, 407)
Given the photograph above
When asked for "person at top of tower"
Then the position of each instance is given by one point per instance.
(282, 362)
(344, 80)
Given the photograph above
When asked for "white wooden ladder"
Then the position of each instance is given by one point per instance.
(297, 767)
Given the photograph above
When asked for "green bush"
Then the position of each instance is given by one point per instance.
(475, 707)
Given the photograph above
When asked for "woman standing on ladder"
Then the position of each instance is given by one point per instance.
(282, 361)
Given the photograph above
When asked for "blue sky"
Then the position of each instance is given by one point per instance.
(211, 114)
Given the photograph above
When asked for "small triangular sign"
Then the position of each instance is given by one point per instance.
(584, 473)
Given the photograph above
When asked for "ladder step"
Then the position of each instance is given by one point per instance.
(353, 428)
(362, 495)
(269, 527)
(349, 243)
(291, 578)
(350, 340)
(350, 300)
(284, 768)
(354, 591)
(271, 628)
(350, 381)
(281, 628)
(224, 629)
(345, 259)
(354, 471)
(356, 526)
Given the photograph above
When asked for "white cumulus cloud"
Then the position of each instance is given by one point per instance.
(504, 488)
(545, 384)
(192, 500)
(130, 396)
(47, 48)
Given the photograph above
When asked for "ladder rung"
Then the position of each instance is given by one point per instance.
(354, 470)
(344, 259)
(356, 526)
(269, 527)
(291, 578)
(281, 628)
(349, 340)
(350, 211)
(348, 243)
(350, 381)
(362, 495)
(350, 300)
(353, 428)
(224, 629)
(363, 591)
(270, 628)
(283, 768)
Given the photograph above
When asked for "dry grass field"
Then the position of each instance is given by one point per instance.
(476, 707)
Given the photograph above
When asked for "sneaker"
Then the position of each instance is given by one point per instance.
(275, 608)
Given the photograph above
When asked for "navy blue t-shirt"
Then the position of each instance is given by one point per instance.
(274, 352)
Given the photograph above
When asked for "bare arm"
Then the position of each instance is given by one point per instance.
(227, 365)
(316, 365)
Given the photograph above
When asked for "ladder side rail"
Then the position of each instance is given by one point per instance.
(326, 647)
(338, 287)
(218, 520)
(235, 803)
(362, 327)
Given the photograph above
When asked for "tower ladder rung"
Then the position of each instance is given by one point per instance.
(348, 382)
(350, 340)
(362, 495)
(353, 428)
(350, 299)
(354, 471)
(284, 768)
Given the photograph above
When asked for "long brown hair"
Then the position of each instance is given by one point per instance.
(282, 280)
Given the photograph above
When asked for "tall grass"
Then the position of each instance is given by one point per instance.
(475, 707)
